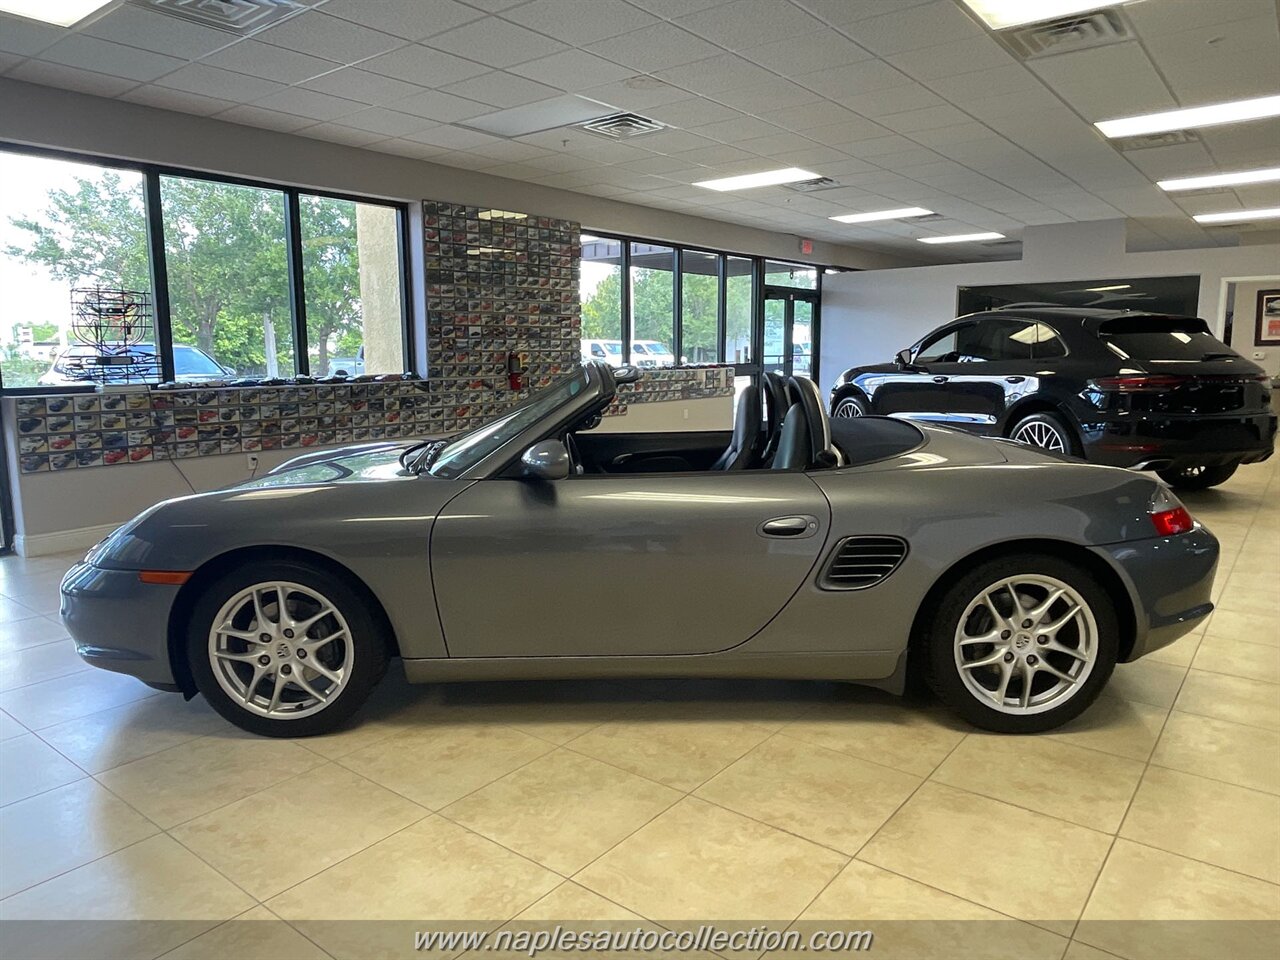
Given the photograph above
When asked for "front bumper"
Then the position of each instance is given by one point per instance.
(119, 623)
(1166, 441)
(1170, 580)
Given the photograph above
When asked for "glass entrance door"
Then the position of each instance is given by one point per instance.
(789, 331)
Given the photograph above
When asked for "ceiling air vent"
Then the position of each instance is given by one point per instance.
(811, 186)
(1084, 31)
(1147, 141)
(1003, 243)
(622, 126)
(241, 17)
(861, 562)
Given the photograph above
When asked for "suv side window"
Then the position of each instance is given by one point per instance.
(998, 338)
(941, 348)
(1048, 344)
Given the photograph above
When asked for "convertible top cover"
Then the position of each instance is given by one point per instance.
(868, 439)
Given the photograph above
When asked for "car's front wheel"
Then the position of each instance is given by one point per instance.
(850, 406)
(1200, 477)
(1048, 431)
(1022, 644)
(284, 649)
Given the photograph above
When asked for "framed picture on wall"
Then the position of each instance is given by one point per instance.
(1267, 332)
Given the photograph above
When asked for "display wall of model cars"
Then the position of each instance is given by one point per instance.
(1115, 387)
(861, 550)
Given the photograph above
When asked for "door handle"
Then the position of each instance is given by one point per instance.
(941, 379)
(1014, 379)
(794, 527)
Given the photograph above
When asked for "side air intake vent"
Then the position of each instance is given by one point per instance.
(241, 17)
(622, 126)
(1084, 31)
(861, 562)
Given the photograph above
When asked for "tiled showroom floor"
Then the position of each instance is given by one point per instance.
(663, 801)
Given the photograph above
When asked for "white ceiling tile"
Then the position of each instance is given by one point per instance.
(572, 70)
(825, 50)
(452, 138)
(337, 133)
(387, 123)
(922, 25)
(271, 63)
(409, 19)
(655, 48)
(635, 93)
(675, 8)
(717, 155)
(695, 112)
(512, 171)
(26, 38)
(1155, 20)
(512, 152)
(103, 56)
(738, 129)
(966, 132)
(770, 146)
(1112, 81)
(424, 66)
(9, 60)
(929, 118)
(320, 35)
(580, 23)
(714, 74)
(496, 43)
(166, 99)
(882, 103)
(853, 79)
(823, 115)
(763, 97)
(962, 89)
(407, 148)
(955, 57)
(309, 103)
(353, 83)
(441, 106)
(267, 119)
(501, 89)
(158, 33)
(70, 78)
(749, 23)
(493, 6)
(214, 82)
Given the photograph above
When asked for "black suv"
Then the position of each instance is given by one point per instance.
(1115, 387)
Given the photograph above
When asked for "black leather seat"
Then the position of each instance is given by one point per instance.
(745, 443)
(774, 393)
(795, 442)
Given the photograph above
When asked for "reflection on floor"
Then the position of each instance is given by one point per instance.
(655, 803)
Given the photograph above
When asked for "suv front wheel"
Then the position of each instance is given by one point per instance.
(1048, 431)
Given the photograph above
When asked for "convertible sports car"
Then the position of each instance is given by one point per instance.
(1012, 578)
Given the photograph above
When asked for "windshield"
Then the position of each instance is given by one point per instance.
(470, 448)
(1169, 339)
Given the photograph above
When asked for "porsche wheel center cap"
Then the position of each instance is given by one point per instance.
(1022, 641)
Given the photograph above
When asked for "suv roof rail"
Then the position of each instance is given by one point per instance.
(1030, 303)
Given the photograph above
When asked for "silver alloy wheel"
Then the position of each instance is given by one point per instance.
(848, 407)
(281, 650)
(1037, 433)
(1026, 644)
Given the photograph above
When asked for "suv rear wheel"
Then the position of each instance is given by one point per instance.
(1199, 477)
(1048, 431)
(850, 406)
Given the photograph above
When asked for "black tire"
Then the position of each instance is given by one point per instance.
(1047, 423)
(1197, 478)
(946, 678)
(850, 405)
(366, 664)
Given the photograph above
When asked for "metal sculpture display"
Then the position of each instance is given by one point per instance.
(115, 327)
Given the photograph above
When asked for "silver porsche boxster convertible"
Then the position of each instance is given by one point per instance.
(860, 550)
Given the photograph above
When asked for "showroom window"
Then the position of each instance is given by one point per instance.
(601, 292)
(699, 307)
(653, 305)
(779, 274)
(253, 279)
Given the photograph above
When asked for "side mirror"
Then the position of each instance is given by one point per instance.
(903, 359)
(548, 460)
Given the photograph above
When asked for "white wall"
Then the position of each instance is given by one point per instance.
(1244, 323)
(868, 317)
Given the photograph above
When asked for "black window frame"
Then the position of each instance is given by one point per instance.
(154, 214)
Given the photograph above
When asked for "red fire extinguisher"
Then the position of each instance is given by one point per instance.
(515, 371)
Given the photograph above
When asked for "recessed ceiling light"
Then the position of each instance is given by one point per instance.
(962, 238)
(1231, 216)
(766, 179)
(998, 14)
(1118, 286)
(61, 13)
(902, 214)
(1233, 111)
(1221, 179)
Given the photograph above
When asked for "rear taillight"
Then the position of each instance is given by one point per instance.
(1136, 383)
(1168, 515)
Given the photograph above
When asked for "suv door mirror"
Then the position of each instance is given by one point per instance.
(548, 460)
(903, 359)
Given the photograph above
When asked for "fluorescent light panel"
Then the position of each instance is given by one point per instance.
(61, 13)
(1118, 286)
(768, 178)
(1233, 216)
(999, 14)
(1221, 179)
(962, 238)
(1234, 111)
(901, 214)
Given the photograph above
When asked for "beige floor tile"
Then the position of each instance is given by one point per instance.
(767, 703)
(32, 632)
(11, 610)
(1082, 951)
(1239, 658)
(1231, 752)
(159, 895)
(1246, 598)
(1125, 728)
(1027, 865)
(257, 934)
(183, 782)
(562, 810)
(1144, 896)
(1251, 627)
(821, 795)
(1228, 826)
(10, 727)
(61, 829)
(271, 840)
(435, 765)
(110, 738)
(1047, 776)
(41, 595)
(883, 730)
(1180, 653)
(680, 745)
(433, 870)
(1250, 702)
(910, 919)
(1146, 681)
(34, 664)
(29, 766)
(394, 707)
(50, 702)
(701, 862)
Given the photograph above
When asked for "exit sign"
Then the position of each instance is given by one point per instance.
(806, 247)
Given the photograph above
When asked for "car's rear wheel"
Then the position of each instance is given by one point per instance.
(1048, 431)
(1022, 644)
(850, 406)
(1199, 477)
(284, 649)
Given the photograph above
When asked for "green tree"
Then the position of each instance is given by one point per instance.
(331, 257)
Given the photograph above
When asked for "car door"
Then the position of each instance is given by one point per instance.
(991, 370)
(918, 391)
(642, 565)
